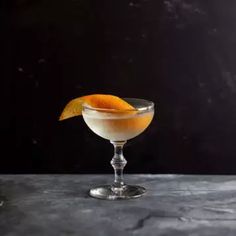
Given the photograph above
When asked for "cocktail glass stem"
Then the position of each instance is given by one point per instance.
(118, 162)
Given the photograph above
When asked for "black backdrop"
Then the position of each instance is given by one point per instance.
(181, 54)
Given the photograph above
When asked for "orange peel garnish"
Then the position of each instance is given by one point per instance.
(103, 101)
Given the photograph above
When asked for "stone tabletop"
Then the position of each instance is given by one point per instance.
(59, 205)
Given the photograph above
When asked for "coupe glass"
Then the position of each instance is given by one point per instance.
(118, 127)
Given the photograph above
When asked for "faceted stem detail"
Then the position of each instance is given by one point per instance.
(118, 162)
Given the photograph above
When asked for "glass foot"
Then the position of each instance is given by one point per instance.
(110, 193)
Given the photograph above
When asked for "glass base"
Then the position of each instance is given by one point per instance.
(110, 193)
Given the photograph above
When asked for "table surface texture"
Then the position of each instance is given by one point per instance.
(58, 205)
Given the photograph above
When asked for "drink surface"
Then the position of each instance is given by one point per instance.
(117, 126)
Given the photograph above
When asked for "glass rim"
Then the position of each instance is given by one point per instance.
(144, 108)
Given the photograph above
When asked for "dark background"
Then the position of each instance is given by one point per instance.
(180, 54)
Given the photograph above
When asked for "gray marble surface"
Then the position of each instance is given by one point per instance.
(58, 205)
